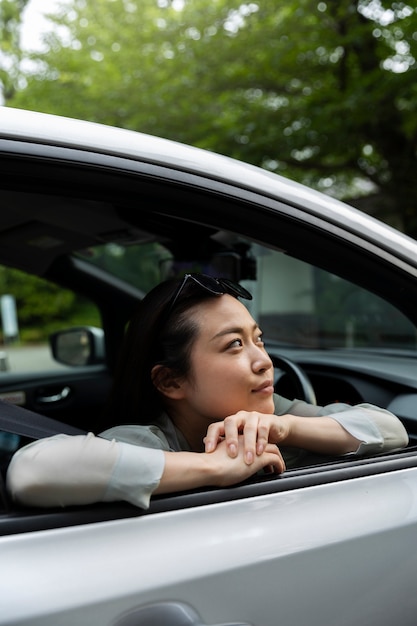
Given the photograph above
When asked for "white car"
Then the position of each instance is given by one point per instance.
(102, 215)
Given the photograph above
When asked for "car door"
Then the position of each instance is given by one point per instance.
(308, 548)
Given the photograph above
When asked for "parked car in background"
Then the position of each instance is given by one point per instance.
(92, 218)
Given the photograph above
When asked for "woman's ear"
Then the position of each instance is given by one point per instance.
(166, 382)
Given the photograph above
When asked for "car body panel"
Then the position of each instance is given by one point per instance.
(243, 561)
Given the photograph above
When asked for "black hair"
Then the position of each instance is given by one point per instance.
(155, 336)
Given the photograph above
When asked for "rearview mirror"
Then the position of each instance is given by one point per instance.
(79, 346)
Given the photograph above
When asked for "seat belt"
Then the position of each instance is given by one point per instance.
(19, 421)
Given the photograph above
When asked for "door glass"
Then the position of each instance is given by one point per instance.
(301, 305)
(32, 309)
(296, 304)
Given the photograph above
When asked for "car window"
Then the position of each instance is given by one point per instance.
(297, 304)
(301, 305)
(141, 265)
(31, 310)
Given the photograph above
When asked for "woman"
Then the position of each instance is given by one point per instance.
(193, 405)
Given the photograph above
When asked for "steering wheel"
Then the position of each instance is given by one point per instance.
(298, 378)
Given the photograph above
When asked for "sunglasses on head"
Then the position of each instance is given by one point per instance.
(216, 286)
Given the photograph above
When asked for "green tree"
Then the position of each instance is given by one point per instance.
(43, 307)
(10, 50)
(322, 92)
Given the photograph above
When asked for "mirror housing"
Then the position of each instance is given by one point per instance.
(78, 346)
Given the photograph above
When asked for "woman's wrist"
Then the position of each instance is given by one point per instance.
(323, 435)
(189, 470)
(285, 430)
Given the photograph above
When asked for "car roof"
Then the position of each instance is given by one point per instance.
(44, 129)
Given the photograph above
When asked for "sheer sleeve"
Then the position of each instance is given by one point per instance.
(71, 470)
(376, 429)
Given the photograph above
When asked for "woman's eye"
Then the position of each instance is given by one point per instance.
(235, 343)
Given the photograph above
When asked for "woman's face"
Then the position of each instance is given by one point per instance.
(230, 368)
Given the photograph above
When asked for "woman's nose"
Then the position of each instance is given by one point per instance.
(262, 362)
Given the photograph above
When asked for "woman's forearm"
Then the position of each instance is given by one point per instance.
(71, 470)
(323, 435)
(185, 470)
(376, 429)
(189, 470)
(65, 470)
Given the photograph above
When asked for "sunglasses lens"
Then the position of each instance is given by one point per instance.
(208, 283)
(219, 286)
(235, 289)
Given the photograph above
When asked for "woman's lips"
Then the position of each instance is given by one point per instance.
(266, 388)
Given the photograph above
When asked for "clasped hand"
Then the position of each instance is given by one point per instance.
(257, 430)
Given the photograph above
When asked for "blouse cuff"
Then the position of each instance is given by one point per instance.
(136, 475)
(362, 427)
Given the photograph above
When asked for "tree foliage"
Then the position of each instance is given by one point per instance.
(43, 307)
(10, 51)
(323, 92)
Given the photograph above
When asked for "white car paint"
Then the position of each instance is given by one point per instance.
(301, 558)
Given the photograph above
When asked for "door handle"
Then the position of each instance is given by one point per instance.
(44, 398)
(164, 614)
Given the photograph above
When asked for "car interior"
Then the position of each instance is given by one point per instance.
(338, 320)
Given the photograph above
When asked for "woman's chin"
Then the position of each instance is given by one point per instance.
(265, 405)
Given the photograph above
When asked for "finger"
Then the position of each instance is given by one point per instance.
(278, 462)
(270, 469)
(231, 434)
(250, 437)
(273, 464)
(215, 432)
(263, 438)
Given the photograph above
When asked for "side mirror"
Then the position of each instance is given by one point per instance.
(79, 346)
